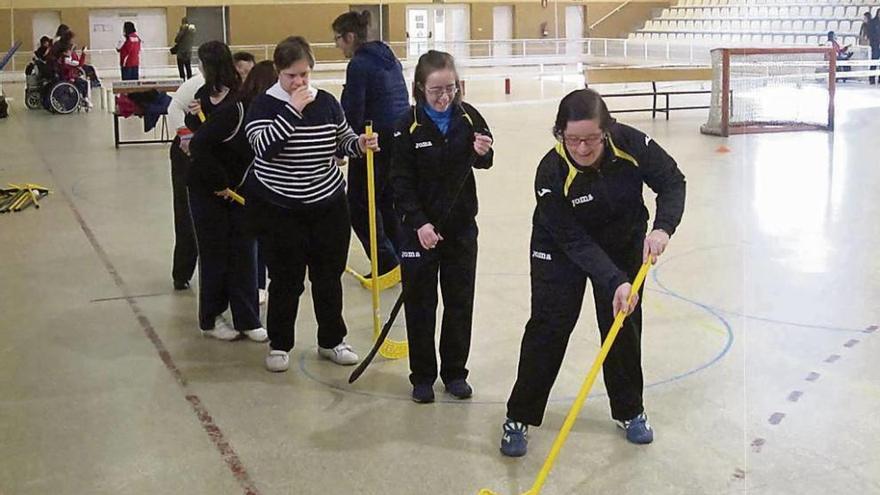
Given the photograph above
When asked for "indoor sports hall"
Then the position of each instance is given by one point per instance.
(760, 322)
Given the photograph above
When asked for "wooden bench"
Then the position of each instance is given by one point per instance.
(653, 75)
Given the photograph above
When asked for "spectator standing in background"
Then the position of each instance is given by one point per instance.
(183, 45)
(129, 48)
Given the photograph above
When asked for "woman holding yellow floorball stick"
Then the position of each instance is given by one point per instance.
(587, 384)
(590, 223)
(221, 155)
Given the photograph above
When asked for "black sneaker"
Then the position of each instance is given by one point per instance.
(514, 438)
(460, 389)
(181, 284)
(423, 393)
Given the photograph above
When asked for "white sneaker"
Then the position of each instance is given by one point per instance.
(341, 354)
(257, 334)
(221, 331)
(264, 296)
(277, 361)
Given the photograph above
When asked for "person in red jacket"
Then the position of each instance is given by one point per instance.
(70, 65)
(129, 49)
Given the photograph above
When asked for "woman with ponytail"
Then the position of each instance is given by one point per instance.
(374, 90)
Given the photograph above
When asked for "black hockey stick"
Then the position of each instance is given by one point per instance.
(402, 297)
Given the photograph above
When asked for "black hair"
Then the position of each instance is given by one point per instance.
(218, 68)
(353, 22)
(244, 57)
(291, 50)
(582, 104)
(260, 78)
(128, 28)
(59, 47)
(62, 28)
(45, 39)
(431, 62)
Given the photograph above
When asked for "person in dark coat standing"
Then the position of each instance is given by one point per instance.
(183, 46)
(873, 33)
(374, 90)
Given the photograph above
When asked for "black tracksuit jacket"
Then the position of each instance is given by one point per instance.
(428, 168)
(589, 212)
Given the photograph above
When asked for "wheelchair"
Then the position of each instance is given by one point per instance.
(44, 89)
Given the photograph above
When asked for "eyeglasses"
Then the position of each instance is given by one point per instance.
(450, 90)
(575, 141)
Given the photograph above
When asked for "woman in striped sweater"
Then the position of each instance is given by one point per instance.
(296, 201)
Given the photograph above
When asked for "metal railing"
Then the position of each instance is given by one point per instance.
(487, 53)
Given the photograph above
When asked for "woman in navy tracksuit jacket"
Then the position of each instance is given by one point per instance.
(374, 90)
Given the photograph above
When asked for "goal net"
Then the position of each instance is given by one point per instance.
(771, 90)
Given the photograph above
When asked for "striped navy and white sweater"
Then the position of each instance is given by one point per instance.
(293, 164)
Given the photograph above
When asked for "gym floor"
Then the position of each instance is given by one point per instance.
(759, 332)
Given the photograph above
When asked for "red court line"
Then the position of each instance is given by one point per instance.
(227, 453)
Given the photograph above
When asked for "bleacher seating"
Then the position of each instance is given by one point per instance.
(776, 22)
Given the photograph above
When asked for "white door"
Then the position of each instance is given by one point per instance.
(44, 24)
(106, 28)
(502, 30)
(437, 27)
(417, 31)
(574, 29)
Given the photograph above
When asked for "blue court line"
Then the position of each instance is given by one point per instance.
(443, 399)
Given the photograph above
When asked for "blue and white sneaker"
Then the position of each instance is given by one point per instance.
(637, 429)
(514, 438)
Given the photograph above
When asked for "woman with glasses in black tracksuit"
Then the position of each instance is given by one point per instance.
(437, 144)
(590, 222)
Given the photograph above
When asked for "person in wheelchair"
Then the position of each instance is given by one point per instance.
(57, 83)
(45, 45)
(69, 66)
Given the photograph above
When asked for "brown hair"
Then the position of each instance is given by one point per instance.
(291, 50)
(260, 78)
(353, 22)
(582, 104)
(429, 63)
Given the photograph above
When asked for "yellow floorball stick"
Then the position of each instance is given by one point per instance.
(585, 388)
(390, 349)
(236, 197)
